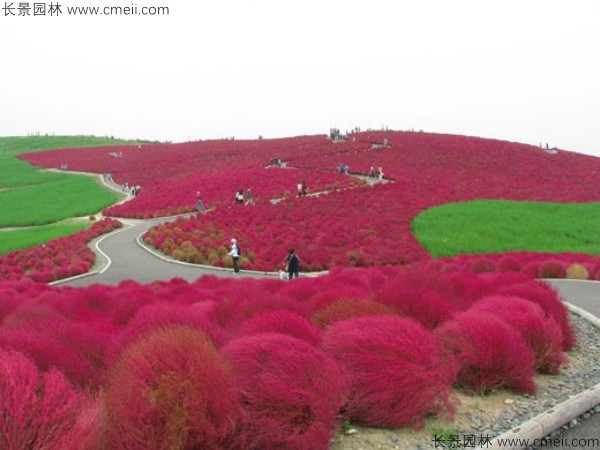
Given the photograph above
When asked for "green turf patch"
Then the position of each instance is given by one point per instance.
(28, 237)
(497, 226)
(30, 196)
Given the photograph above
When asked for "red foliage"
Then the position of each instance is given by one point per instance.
(551, 269)
(160, 314)
(397, 376)
(36, 410)
(544, 295)
(542, 333)
(54, 342)
(282, 322)
(291, 392)
(171, 389)
(414, 295)
(489, 353)
(347, 309)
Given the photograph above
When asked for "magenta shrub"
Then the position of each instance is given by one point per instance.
(544, 295)
(396, 373)
(171, 389)
(36, 409)
(282, 322)
(551, 269)
(541, 332)
(348, 309)
(290, 391)
(481, 265)
(489, 353)
(414, 296)
(160, 314)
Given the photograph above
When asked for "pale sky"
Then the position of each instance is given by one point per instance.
(525, 71)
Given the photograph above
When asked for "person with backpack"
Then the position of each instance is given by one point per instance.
(292, 264)
(235, 255)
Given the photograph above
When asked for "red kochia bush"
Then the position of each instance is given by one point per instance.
(283, 322)
(347, 309)
(36, 409)
(397, 376)
(291, 392)
(541, 332)
(412, 295)
(551, 269)
(157, 315)
(545, 296)
(171, 389)
(489, 353)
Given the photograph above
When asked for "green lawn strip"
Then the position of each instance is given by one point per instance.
(40, 204)
(498, 226)
(28, 237)
(13, 146)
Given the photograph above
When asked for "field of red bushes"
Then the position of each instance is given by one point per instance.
(364, 226)
(249, 364)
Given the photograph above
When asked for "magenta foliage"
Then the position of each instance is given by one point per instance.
(171, 389)
(291, 392)
(157, 315)
(282, 322)
(489, 353)
(55, 342)
(414, 295)
(551, 269)
(545, 296)
(541, 332)
(36, 409)
(397, 375)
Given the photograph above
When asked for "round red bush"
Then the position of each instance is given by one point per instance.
(396, 373)
(541, 332)
(546, 296)
(551, 269)
(489, 353)
(282, 322)
(348, 309)
(291, 392)
(36, 409)
(171, 389)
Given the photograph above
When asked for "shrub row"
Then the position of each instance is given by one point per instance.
(264, 364)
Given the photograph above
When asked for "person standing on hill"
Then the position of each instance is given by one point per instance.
(199, 205)
(292, 264)
(235, 255)
(249, 198)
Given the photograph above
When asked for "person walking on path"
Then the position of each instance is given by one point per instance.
(199, 205)
(249, 199)
(304, 189)
(235, 255)
(292, 264)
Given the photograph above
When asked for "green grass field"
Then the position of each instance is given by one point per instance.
(30, 196)
(28, 237)
(496, 226)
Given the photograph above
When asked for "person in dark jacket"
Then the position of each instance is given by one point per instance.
(292, 264)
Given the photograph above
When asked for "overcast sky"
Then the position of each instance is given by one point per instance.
(525, 71)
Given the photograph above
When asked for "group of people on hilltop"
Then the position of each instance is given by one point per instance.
(134, 190)
(275, 162)
(376, 175)
(343, 168)
(302, 189)
(246, 198)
